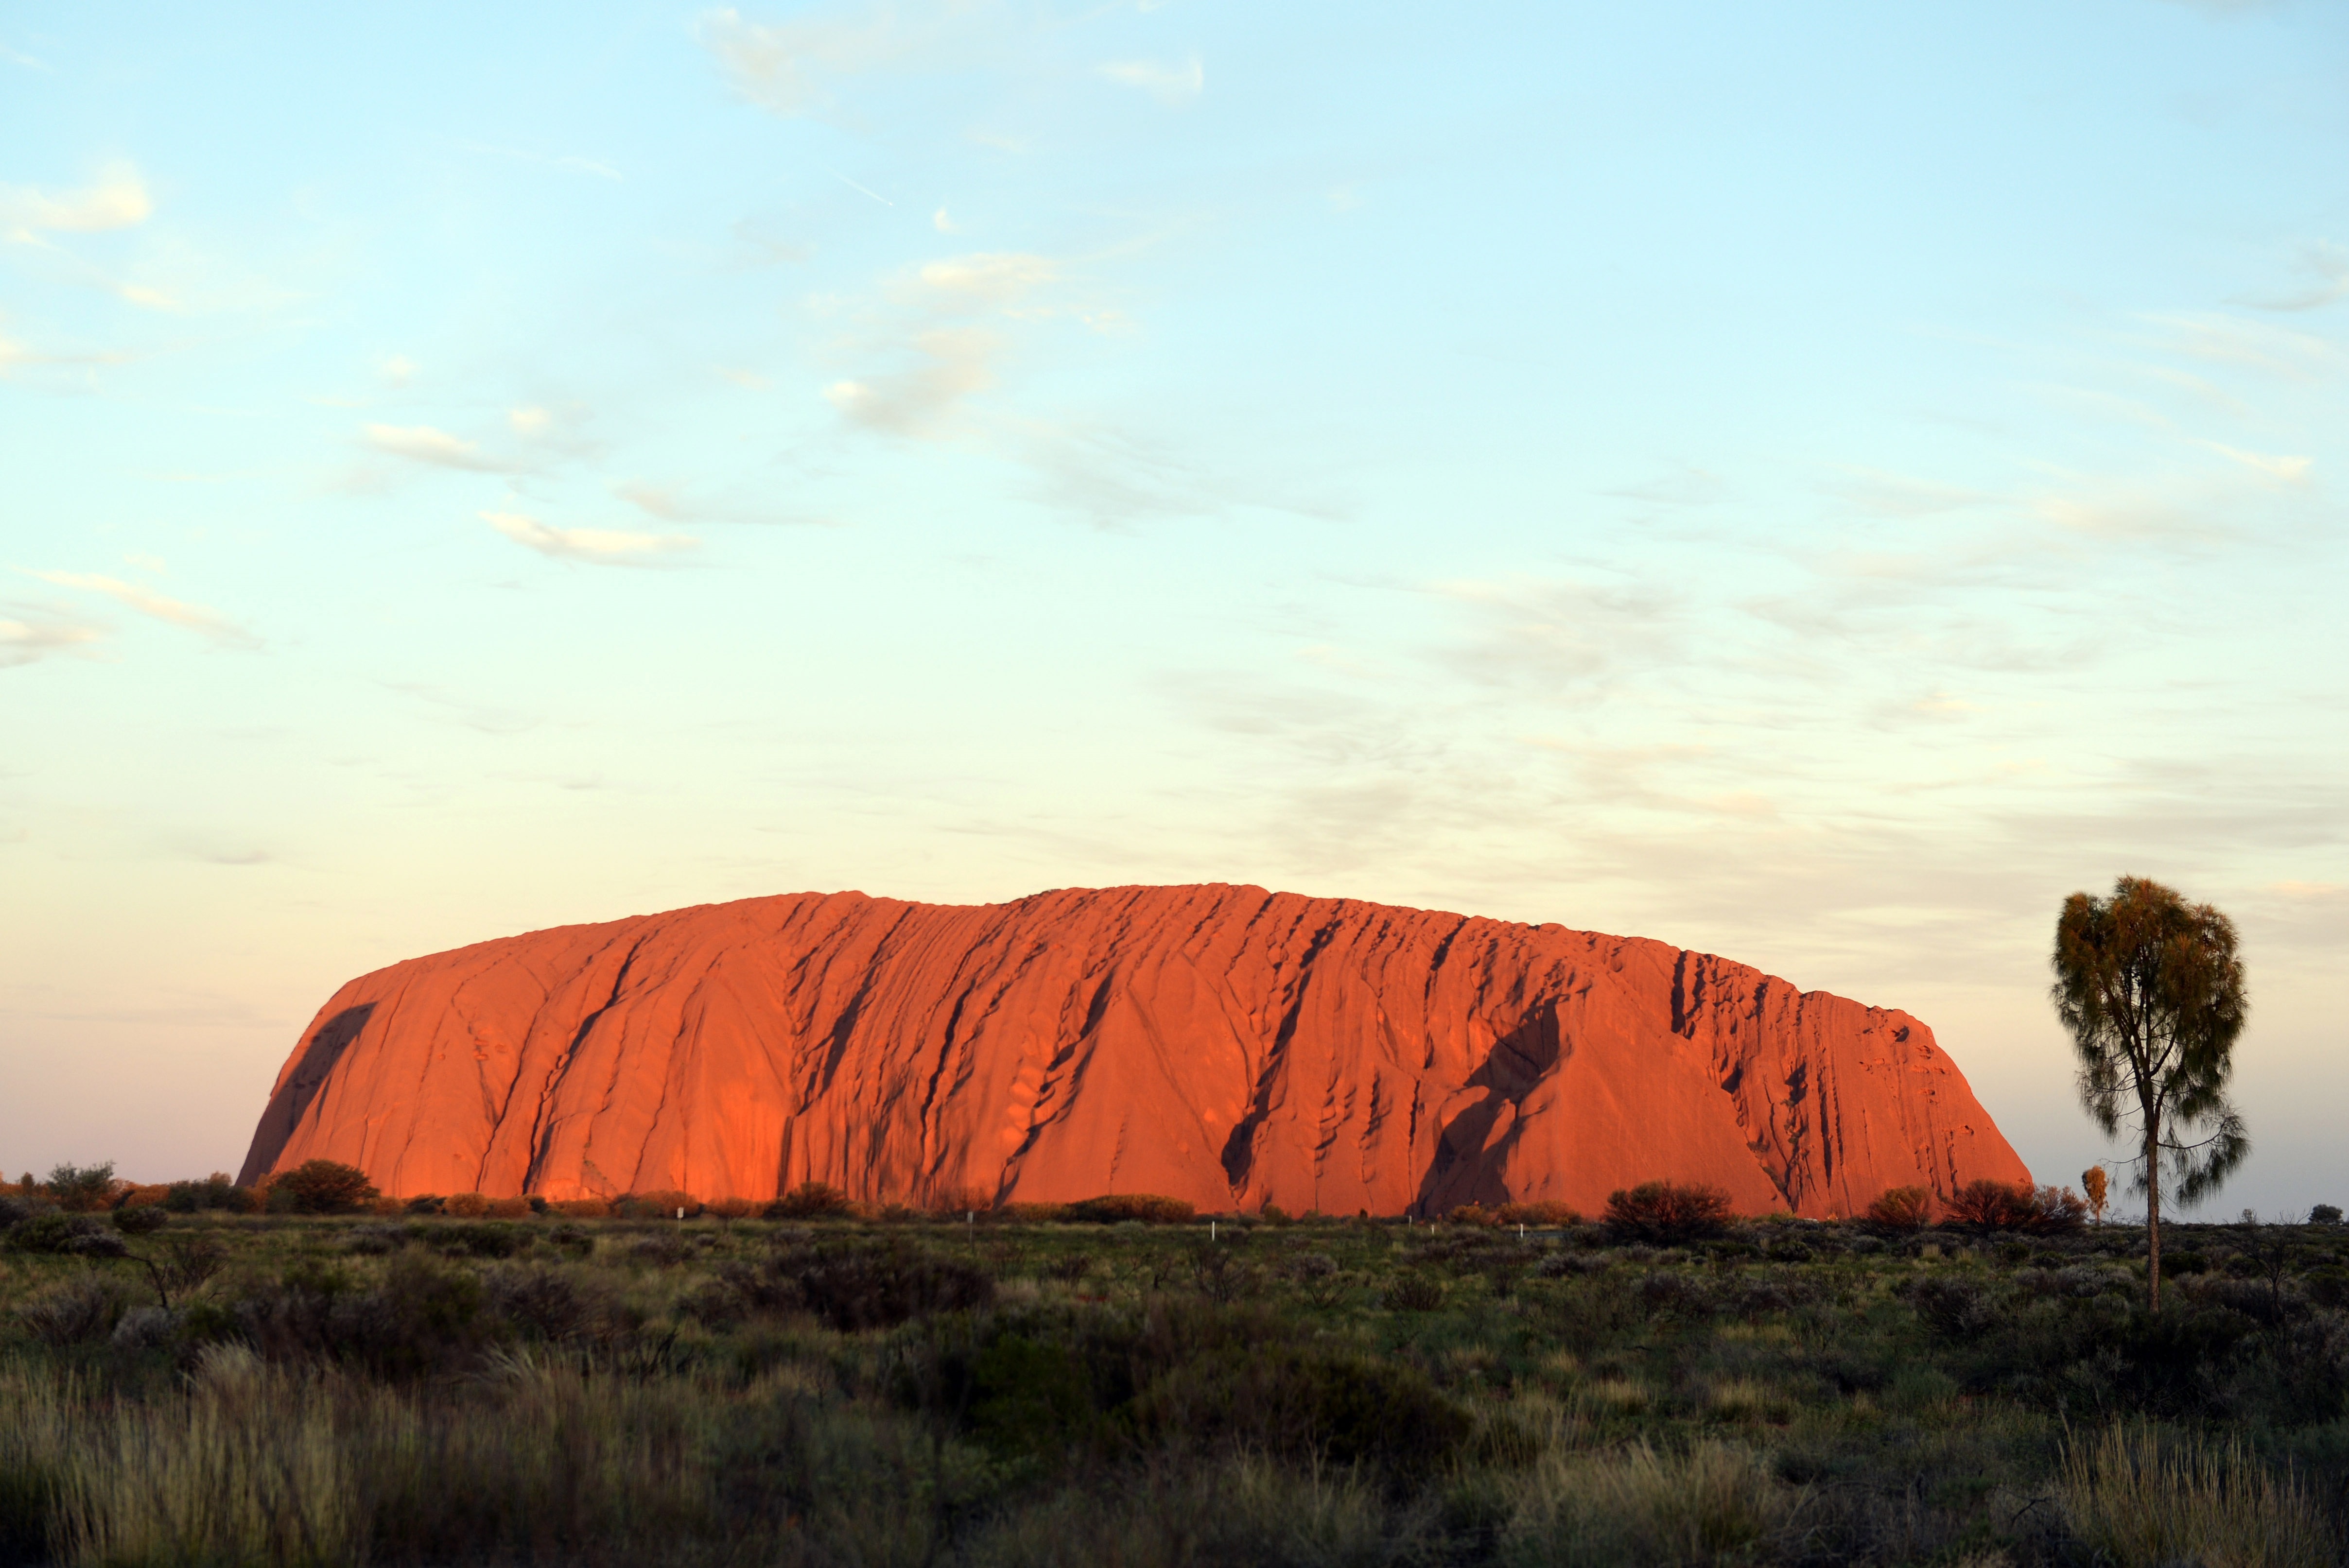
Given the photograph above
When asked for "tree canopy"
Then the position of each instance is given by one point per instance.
(2152, 990)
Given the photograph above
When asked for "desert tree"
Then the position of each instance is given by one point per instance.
(2152, 992)
(2094, 1183)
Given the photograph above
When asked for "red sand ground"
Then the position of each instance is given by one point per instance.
(1222, 1044)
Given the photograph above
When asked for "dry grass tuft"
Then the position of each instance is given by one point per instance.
(2144, 1503)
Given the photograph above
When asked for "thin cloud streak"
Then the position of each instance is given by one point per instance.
(1172, 85)
(210, 623)
(596, 546)
(425, 444)
(118, 199)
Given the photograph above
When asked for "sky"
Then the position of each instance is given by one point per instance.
(1816, 483)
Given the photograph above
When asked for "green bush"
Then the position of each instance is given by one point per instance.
(140, 1221)
(80, 1188)
(321, 1187)
(1304, 1402)
(218, 1191)
(853, 1287)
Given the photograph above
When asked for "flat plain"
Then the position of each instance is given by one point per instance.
(431, 1389)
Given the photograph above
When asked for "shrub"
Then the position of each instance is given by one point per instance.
(1545, 1213)
(479, 1241)
(76, 1313)
(540, 1303)
(1952, 1309)
(1901, 1211)
(217, 1190)
(1471, 1215)
(422, 1319)
(809, 1201)
(140, 1221)
(78, 1189)
(855, 1286)
(581, 1208)
(733, 1207)
(1413, 1293)
(465, 1205)
(1115, 1207)
(2325, 1215)
(1306, 1402)
(53, 1233)
(660, 1204)
(321, 1187)
(1987, 1205)
(1667, 1212)
(376, 1240)
(509, 1209)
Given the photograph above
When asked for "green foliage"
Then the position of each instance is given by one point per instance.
(321, 1187)
(144, 1221)
(1304, 1402)
(2153, 993)
(78, 1189)
(218, 1191)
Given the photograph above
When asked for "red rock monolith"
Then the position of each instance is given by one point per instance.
(1226, 1046)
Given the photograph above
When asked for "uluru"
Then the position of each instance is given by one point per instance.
(1223, 1045)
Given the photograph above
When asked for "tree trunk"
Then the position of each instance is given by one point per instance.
(2153, 1212)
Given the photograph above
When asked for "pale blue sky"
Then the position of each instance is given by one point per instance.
(1816, 483)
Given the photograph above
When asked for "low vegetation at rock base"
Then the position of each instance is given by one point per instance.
(241, 1381)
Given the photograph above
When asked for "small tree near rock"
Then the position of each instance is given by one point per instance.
(2153, 994)
(1668, 1211)
(1901, 1211)
(323, 1187)
(2093, 1183)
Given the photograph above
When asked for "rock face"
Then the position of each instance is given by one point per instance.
(1223, 1045)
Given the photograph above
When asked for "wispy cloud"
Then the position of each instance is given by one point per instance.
(1899, 495)
(28, 635)
(596, 546)
(210, 623)
(950, 365)
(2324, 277)
(117, 198)
(571, 163)
(424, 444)
(792, 68)
(1171, 84)
(2290, 469)
(941, 338)
(2253, 344)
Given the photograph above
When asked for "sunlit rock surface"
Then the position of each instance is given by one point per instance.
(1223, 1045)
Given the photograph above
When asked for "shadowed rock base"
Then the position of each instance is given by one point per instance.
(1222, 1044)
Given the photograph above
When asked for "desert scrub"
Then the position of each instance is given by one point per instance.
(485, 1390)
